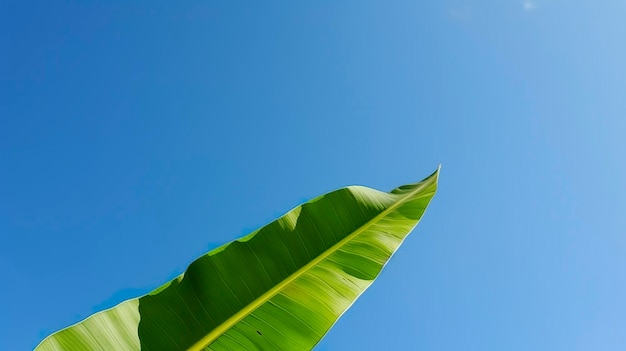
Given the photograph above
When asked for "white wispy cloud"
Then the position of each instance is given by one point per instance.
(529, 5)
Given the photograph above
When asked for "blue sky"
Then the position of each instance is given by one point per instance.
(135, 137)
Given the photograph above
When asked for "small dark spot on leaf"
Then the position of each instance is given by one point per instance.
(258, 332)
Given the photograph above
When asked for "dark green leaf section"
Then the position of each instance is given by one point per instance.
(279, 288)
(217, 285)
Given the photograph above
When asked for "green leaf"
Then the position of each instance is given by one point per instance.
(280, 288)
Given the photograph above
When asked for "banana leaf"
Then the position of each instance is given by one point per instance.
(281, 287)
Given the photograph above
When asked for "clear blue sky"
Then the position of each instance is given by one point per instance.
(135, 137)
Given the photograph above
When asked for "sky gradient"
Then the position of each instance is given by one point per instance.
(135, 137)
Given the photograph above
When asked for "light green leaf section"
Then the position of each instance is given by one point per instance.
(279, 288)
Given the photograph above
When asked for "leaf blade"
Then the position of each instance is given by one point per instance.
(281, 287)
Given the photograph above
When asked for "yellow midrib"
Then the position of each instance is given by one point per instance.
(234, 319)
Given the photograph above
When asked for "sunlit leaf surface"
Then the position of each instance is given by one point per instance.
(279, 288)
